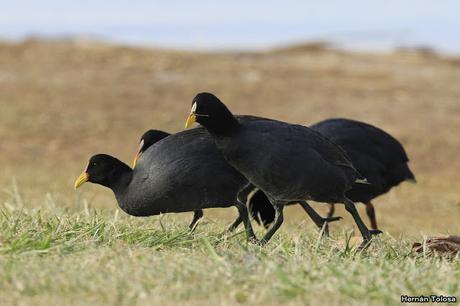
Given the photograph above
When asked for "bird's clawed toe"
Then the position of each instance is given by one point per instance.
(332, 219)
(374, 232)
(364, 245)
(253, 240)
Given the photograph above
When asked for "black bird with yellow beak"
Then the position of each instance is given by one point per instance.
(256, 199)
(181, 173)
(107, 171)
(287, 162)
(377, 155)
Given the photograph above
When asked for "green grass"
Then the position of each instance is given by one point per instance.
(57, 256)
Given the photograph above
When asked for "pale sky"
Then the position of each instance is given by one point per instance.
(239, 24)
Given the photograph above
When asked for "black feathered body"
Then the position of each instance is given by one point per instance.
(288, 162)
(378, 156)
(182, 172)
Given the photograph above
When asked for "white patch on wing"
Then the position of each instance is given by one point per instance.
(193, 108)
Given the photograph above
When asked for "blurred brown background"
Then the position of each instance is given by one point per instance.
(63, 101)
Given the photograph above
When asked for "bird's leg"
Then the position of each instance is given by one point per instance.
(242, 198)
(319, 221)
(330, 213)
(367, 235)
(244, 193)
(371, 214)
(244, 216)
(331, 210)
(235, 224)
(197, 215)
(278, 206)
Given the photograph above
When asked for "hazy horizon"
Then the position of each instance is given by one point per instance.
(239, 25)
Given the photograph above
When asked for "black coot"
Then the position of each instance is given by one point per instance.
(179, 173)
(287, 162)
(377, 155)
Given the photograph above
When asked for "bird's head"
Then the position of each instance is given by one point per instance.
(148, 139)
(211, 113)
(102, 169)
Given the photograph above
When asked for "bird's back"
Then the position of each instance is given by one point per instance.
(289, 161)
(184, 172)
(377, 155)
(363, 137)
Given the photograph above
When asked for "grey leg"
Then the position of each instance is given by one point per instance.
(367, 235)
(198, 214)
(278, 206)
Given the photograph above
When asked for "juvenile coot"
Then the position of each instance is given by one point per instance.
(150, 137)
(287, 162)
(378, 156)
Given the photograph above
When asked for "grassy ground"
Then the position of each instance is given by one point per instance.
(63, 101)
(79, 257)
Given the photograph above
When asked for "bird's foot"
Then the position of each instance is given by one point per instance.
(332, 219)
(320, 223)
(364, 245)
(367, 240)
(374, 232)
(324, 225)
(262, 242)
(254, 240)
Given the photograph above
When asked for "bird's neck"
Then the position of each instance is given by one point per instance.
(224, 125)
(120, 178)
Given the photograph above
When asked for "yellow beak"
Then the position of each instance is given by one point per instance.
(136, 158)
(83, 178)
(190, 120)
